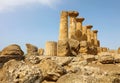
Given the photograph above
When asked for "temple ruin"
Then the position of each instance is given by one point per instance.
(74, 38)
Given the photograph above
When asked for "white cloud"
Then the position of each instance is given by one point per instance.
(6, 5)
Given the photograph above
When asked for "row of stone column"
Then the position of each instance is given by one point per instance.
(76, 30)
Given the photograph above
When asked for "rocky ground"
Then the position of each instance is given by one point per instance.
(34, 67)
(102, 68)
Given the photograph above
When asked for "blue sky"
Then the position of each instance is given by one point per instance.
(37, 21)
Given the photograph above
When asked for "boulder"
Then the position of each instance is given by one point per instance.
(89, 74)
(4, 59)
(63, 61)
(118, 50)
(63, 48)
(117, 58)
(13, 49)
(31, 49)
(20, 72)
(74, 46)
(83, 47)
(32, 59)
(93, 50)
(106, 58)
(51, 70)
(40, 51)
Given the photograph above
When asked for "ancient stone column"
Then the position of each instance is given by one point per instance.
(72, 29)
(79, 23)
(84, 33)
(92, 37)
(95, 37)
(84, 29)
(63, 33)
(98, 43)
(51, 48)
(79, 28)
(89, 33)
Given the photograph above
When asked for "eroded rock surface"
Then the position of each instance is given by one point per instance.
(13, 49)
(19, 72)
(31, 49)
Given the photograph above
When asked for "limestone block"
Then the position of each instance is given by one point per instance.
(106, 58)
(105, 49)
(51, 70)
(74, 46)
(41, 51)
(51, 48)
(83, 44)
(119, 50)
(83, 50)
(20, 72)
(31, 49)
(92, 50)
(13, 49)
(63, 48)
(83, 47)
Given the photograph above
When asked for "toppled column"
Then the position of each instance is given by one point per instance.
(95, 37)
(84, 33)
(63, 33)
(51, 48)
(89, 34)
(79, 28)
(72, 29)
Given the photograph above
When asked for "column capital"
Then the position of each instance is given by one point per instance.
(64, 12)
(89, 26)
(80, 19)
(95, 31)
(73, 13)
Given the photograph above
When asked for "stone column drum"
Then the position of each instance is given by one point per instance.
(84, 33)
(92, 37)
(72, 29)
(51, 48)
(95, 37)
(89, 34)
(79, 28)
(98, 43)
(63, 33)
